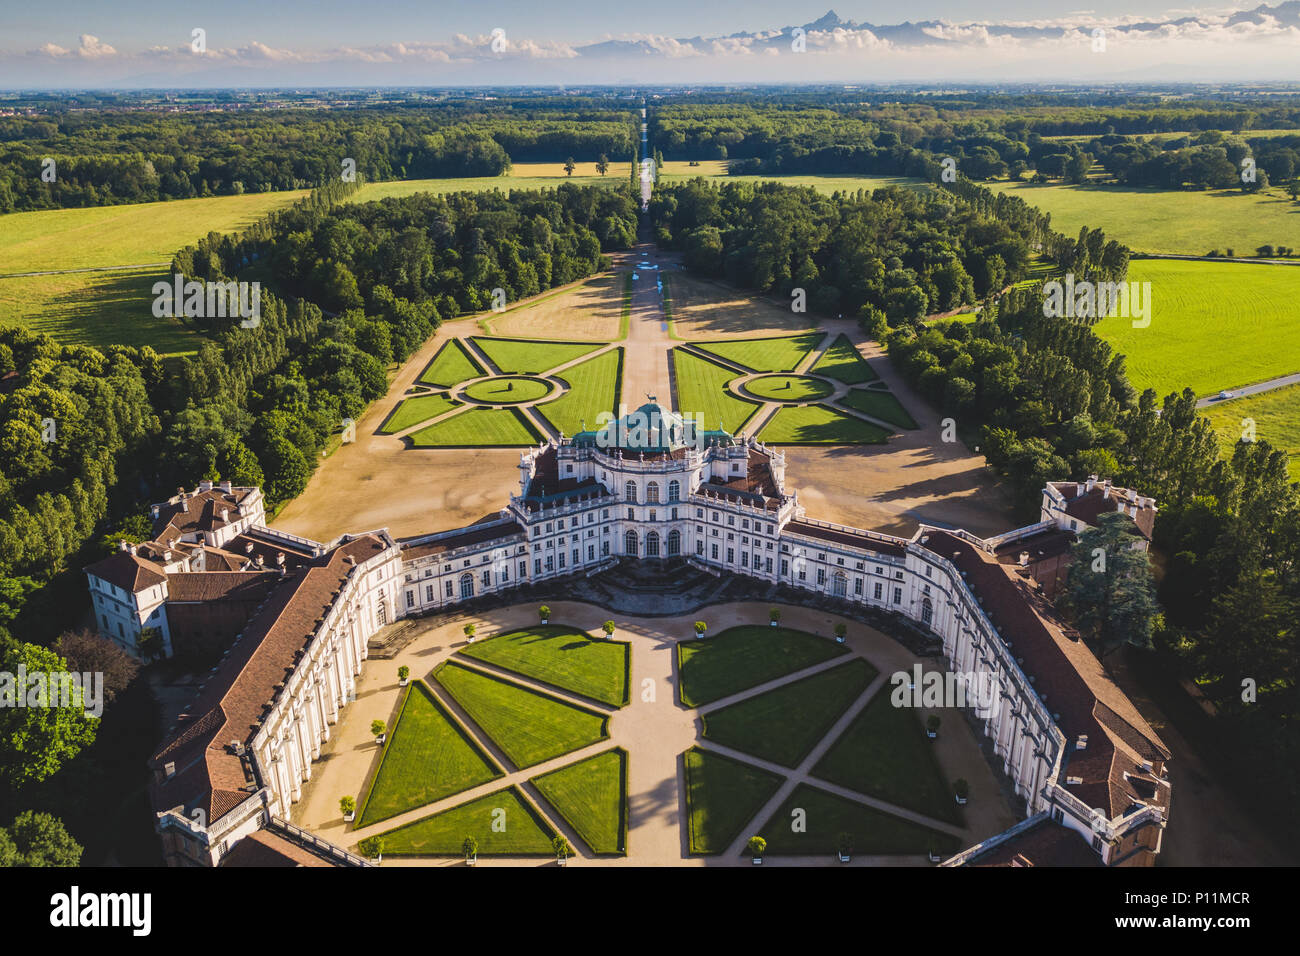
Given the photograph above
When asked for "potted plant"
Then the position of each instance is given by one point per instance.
(372, 847)
(608, 628)
(756, 847)
(380, 730)
(349, 807)
(700, 628)
(936, 852)
(469, 633)
(773, 616)
(544, 613)
(470, 849)
(562, 849)
(403, 675)
(841, 629)
(845, 844)
(932, 726)
(962, 790)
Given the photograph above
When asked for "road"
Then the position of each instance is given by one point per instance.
(1272, 383)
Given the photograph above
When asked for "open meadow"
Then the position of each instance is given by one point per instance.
(1276, 419)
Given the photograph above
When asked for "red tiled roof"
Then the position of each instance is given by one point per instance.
(1102, 499)
(200, 511)
(1044, 844)
(265, 848)
(218, 585)
(127, 571)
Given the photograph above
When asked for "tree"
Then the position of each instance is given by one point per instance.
(608, 628)
(149, 643)
(602, 164)
(469, 848)
(544, 613)
(348, 805)
(569, 166)
(86, 652)
(700, 628)
(1109, 587)
(403, 673)
(372, 847)
(35, 741)
(561, 846)
(378, 728)
(38, 839)
(774, 614)
(756, 846)
(841, 629)
(469, 630)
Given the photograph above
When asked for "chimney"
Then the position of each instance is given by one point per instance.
(1082, 742)
(169, 769)
(205, 486)
(130, 549)
(167, 555)
(1024, 559)
(226, 487)
(153, 512)
(248, 548)
(124, 545)
(1092, 483)
(260, 561)
(1132, 495)
(279, 558)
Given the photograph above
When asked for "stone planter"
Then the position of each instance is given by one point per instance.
(932, 734)
(380, 739)
(936, 858)
(403, 681)
(546, 620)
(350, 816)
(757, 861)
(561, 861)
(844, 857)
(961, 801)
(839, 640)
(471, 860)
(773, 623)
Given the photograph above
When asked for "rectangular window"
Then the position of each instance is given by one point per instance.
(604, 548)
(410, 599)
(821, 575)
(699, 546)
(898, 595)
(857, 585)
(523, 569)
(537, 566)
(731, 555)
(428, 593)
(591, 552)
(875, 592)
(447, 589)
(561, 559)
(769, 565)
(785, 568)
(576, 556)
(550, 562)
(744, 559)
(714, 551)
(487, 579)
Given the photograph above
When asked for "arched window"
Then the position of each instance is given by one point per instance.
(467, 585)
(840, 584)
(652, 545)
(652, 493)
(674, 490)
(629, 543)
(674, 541)
(629, 491)
(927, 612)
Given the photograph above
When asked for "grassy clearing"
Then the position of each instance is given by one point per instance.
(412, 411)
(451, 366)
(780, 354)
(743, 657)
(95, 308)
(427, 757)
(882, 405)
(1276, 416)
(782, 725)
(531, 356)
(509, 390)
(560, 656)
(524, 833)
(478, 428)
(1184, 222)
(1214, 325)
(844, 363)
(722, 795)
(788, 388)
(820, 425)
(528, 727)
(870, 832)
(885, 753)
(702, 390)
(594, 387)
(591, 795)
(521, 176)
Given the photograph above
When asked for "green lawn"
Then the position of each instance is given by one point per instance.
(426, 758)
(722, 795)
(509, 390)
(412, 411)
(871, 832)
(451, 366)
(702, 390)
(528, 727)
(782, 725)
(885, 753)
(820, 425)
(743, 657)
(778, 354)
(478, 427)
(1214, 325)
(562, 657)
(594, 387)
(503, 824)
(591, 795)
(844, 363)
(531, 356)
(882, 405)
(1277, 421)
(1170, 221)
(788, 388)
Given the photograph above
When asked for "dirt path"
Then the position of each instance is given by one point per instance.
(645, 357)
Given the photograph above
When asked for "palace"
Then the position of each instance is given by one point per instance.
(291, 619)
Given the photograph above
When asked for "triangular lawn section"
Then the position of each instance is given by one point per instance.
(531, 356)
(844, 363)
(591, 795)
(722, 796)
(870, 832)
(451, 366)
(503, 823)
(778, 354)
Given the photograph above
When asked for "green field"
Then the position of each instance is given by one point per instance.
(784, 724)
(594, 387)
(509, 390)
(702, 390)
(882, 405)
(412, 411)
(844, 363)
(531, 356)
(1214, 325)
(779, 354)
(722, 795)
(870, 831)
(451, 366)
(528, 727)
(503, 824)
(591, 795)
(1276, 415)
(478, 428)
(426, 758)
(743, 657)
(521, 176)
(885, 753)
(819, 425)
(562, 657)
(788, 388)
(1168, 221)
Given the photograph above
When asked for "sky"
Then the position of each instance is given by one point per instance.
(268, 43)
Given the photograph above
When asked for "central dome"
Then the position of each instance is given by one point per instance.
(651, 429)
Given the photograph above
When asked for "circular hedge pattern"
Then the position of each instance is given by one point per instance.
(788, 388)
(508, 390)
